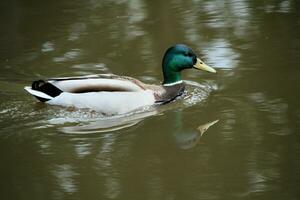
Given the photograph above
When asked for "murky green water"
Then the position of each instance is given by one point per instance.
(252, 152)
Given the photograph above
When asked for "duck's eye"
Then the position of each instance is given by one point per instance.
(188, 54)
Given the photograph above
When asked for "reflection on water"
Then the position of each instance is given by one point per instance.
(107, 124)
(65, 178)
(187, 139)
(68, 56)
(251, 153)
(47, 47)
(276, 112)
(221, 55)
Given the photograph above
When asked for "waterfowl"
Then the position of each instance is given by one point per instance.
(112, 94)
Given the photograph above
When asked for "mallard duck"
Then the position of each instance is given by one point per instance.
(111, 94)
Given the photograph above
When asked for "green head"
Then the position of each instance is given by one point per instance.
(178, 58)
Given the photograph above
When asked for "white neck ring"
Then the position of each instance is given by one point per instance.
(171, 84)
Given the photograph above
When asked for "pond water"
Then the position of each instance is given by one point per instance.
(235, 135)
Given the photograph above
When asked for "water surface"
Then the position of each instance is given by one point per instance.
(56, 153)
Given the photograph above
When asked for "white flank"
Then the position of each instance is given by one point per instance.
(110, 103)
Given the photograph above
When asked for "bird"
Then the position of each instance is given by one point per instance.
(112, 94)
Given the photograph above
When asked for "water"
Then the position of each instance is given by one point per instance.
(56, 153)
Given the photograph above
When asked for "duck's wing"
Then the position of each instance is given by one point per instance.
(45, 90)
(97, 83)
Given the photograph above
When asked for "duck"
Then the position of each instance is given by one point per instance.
(112, 94)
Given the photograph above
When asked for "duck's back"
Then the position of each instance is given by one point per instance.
(97, 83)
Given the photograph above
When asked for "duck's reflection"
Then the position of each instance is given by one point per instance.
(187, 139)
(107, 124)
(187, 135)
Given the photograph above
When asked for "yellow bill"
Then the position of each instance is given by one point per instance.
(201, 65)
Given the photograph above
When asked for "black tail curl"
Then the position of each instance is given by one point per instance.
(46, 88)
